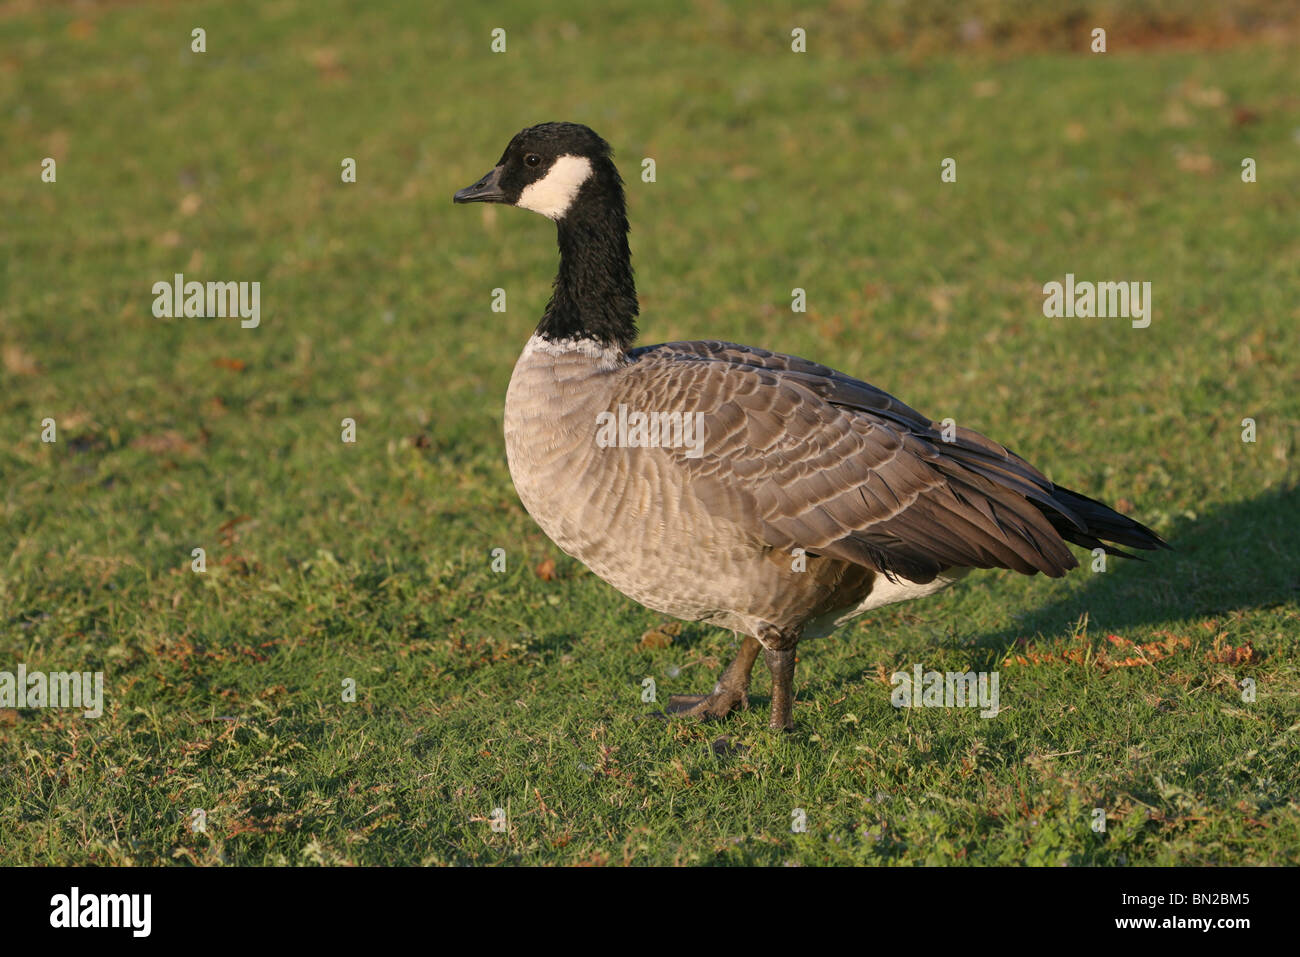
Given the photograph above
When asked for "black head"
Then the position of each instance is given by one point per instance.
(564, 171)
(545, 169)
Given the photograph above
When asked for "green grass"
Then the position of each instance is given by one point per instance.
(478, 690)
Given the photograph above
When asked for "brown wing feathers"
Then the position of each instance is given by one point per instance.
(840, 468)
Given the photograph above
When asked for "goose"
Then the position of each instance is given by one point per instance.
(814, 497)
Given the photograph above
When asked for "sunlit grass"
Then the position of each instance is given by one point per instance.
(371, 561)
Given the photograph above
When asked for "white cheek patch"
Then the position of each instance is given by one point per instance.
(552, 194)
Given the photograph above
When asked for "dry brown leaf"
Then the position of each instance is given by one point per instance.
(661, 636)
(18, 362)
(1195, 163)
(654, 639)
(1226, 654)
(164, 443)
(228, 532)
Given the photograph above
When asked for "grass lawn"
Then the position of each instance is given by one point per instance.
(371, 561)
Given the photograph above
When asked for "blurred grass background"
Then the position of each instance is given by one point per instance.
(774, 170)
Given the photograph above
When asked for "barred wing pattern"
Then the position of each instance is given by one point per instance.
(839, 468)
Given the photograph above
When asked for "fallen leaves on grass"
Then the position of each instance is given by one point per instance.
(1148, 653)
(546, 570)
(1224, 653)
(1082, 653)
(328, 65)
(239, 564)
(661, 636)
(228, 530)
(17, 361)
(1200, 163)
(1244, 116)
(167, 442)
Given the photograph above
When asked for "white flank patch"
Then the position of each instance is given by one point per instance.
(552, 195)
(883, 592)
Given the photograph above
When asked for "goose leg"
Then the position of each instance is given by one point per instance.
(731, 690)
(781, 664)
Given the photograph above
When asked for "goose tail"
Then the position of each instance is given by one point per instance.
(1093, 524)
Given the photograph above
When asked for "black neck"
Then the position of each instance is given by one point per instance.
(595, 296)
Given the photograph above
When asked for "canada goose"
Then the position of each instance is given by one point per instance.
(814, 496)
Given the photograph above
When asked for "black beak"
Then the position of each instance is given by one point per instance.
(486, 190)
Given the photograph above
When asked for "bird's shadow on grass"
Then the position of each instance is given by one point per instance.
(1233, 558)
(1241, 556)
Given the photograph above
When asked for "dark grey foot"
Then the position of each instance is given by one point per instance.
(708, 706)
(731, 691)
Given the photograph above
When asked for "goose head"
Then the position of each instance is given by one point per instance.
(565, 172)
(551, 169)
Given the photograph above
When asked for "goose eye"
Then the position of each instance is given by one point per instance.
(532, 159)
